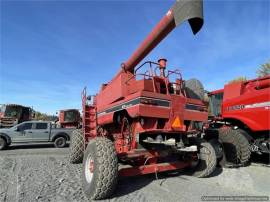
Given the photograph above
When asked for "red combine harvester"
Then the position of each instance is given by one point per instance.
(240, 119)
(69, 118)
(12, 114)
(143, 122)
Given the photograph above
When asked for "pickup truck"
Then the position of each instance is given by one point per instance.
(34, 131)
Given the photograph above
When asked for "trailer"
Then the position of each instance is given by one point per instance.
(142, 121)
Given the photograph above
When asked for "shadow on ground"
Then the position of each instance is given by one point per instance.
(260, 159)
(32, 146)
(138, 182)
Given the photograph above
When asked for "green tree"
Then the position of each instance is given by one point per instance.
(44, 117)
(264, 70)
(238, 79)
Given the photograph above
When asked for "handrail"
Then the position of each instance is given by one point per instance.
(138, 75)
(177, 72)
(152, 75)
(150, 63)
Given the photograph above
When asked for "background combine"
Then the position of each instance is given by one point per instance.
(69, 118)
(12, 114)
(143, 120)
(240, 120)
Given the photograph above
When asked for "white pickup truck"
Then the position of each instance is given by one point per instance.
(34, 131)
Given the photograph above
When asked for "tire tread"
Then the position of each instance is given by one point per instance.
(76, 147)
(239, 153)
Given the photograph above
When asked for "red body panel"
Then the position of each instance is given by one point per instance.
(153, 168)
(248, 102)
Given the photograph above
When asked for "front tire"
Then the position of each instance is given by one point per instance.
(235, 146)
(3, 143)
(100, 169)
(76, 147)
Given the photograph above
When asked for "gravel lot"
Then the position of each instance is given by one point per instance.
(42, 173)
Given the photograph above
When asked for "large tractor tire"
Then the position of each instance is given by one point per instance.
(100, 169)
(207, 160)
(235, 147)
(76, 147)
(194, 89)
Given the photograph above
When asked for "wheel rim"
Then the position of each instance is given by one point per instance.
(89, 169)
(218, 147)
(60, 142)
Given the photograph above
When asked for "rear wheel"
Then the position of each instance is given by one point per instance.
(235, 146)
(207, 160)
(3, 143)
(76, 147)
(60, 142)
(100, 169)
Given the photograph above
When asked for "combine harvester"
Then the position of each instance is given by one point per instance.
(240, 120)
(13, 114)
(142, 120)
(69, 118)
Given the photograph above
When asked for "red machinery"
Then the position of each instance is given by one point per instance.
(143, 121)
(12, 114)
(241, 112)
(69, 118)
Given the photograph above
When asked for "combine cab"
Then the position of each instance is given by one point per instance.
(240, 119)
(142, 121)
(12, 114)
(69, 118)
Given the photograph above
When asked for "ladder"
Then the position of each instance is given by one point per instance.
(89, 119)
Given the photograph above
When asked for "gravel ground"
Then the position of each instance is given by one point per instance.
(42, 173)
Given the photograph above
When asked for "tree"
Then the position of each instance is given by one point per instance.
(238, 79)
(264, 70)
(44, 117)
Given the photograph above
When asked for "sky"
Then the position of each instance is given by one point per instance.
(50, 50)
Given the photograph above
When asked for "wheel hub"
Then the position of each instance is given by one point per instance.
(89, 169)
(91, 166)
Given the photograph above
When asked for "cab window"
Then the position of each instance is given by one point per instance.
(25, 126)
(41, 126)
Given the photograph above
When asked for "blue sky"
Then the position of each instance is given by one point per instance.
(50, 50)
